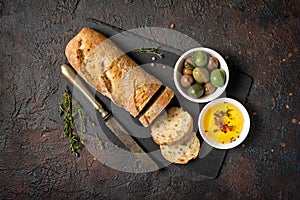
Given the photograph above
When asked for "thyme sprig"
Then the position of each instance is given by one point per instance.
(228, 110)
(150, 51)
(65, 109)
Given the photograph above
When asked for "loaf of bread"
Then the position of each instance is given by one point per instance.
(172, 127)
(110, 71)
(157, 107)
(182, 152)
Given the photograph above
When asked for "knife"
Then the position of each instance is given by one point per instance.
(71, 76)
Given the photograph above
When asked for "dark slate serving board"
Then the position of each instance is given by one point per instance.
(209, 165)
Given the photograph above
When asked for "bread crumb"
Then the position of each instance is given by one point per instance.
(294, 121)
(291, 94)
(272, 150)
(287, 106)
(282, 144)
(172, 26)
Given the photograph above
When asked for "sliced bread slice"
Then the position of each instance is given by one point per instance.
(183, 152)
(171, 127)
(157, 107)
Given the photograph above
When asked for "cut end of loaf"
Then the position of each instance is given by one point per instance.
(142, 96)
(157, 107)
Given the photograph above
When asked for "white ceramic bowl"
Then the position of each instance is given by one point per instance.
(178, 73)
(243, 133)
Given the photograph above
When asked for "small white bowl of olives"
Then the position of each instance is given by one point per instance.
(201, 75)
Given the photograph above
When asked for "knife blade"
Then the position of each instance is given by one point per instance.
(71, 76)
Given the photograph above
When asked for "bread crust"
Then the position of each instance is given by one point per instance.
(157, 107)
(110, 71)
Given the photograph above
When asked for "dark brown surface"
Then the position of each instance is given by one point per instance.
(261, 38)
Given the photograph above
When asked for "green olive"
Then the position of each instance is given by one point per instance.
(186, 80)
(212, 63)
(195, 91)
(209, 88)
(201, 75)
(217, 77)
(200, 58)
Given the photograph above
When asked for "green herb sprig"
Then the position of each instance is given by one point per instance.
(65, 108)
(71, 110)
(150, 51)
(189, 66)
(228, 110)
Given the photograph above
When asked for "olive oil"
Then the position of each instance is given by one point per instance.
(223, 123)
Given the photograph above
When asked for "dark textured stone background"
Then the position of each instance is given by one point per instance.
(260, 37)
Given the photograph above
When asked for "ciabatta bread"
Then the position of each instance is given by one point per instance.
(110, 71)
(171, 127)
(157, 107)
(183, 152)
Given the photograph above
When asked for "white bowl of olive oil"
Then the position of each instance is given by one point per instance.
(224, 123)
